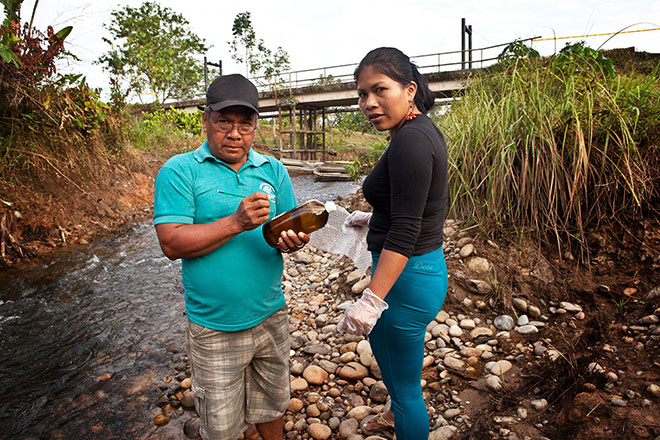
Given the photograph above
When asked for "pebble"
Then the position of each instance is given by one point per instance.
(503, 322)
(336, 384)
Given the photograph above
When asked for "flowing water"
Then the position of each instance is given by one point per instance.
(87, 339)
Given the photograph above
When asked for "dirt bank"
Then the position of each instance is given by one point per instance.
(57, 209)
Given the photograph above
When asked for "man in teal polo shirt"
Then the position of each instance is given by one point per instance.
(209, 207)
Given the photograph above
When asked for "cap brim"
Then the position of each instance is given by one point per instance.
(216, 107)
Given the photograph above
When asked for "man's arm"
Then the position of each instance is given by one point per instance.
(179, 240)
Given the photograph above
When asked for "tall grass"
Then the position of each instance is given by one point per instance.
(553, 149)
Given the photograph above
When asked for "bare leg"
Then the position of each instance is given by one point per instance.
(273, 430)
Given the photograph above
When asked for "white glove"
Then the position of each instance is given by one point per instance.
(360, 318)
(358, 218)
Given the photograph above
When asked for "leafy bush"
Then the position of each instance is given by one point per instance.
(166, 128)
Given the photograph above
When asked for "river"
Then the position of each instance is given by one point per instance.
(89, 339)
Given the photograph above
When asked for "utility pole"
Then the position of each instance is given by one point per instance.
(206, 71)
(466, 29)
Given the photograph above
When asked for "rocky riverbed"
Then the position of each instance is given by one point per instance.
(512, 355)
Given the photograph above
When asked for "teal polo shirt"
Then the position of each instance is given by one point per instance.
(239, 284)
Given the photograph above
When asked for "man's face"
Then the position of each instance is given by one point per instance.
(231, 147)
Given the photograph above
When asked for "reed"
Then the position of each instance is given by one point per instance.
(554, 149)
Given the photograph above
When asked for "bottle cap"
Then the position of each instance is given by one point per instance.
(330, 206)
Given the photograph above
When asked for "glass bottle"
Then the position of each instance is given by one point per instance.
(308, 217)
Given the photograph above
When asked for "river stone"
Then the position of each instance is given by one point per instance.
(539, 404)
(653, 390)
(493, 382)
(500, 367)
(453, 363)
(297, 368)
(503, 322)
(479, 264)
(348, 357)
(519, 304)
(569, 307)
(374, 370)
(443, 433)
(312, 411)
(455, 331)
(359, 287)
(299, 384)
(161, 419)
(451, 413)
(353, 371)
(319, 431)
(315, 375)
(188, 399)
(442, 316)
(348, 427)
(534, 311)
(359, 412)
(185, 383)
(649, 319)
(295, 405)
(467, 324)
(378, 392)
(353, 277)
(191, 427)
(481, 331)
(321, 349)
(527, 329)
(328, 366)
(466, 250)
(479, 287)
(522, 320)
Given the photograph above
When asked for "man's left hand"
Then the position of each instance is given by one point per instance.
(289, 241)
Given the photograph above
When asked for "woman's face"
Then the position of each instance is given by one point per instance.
(384, 101)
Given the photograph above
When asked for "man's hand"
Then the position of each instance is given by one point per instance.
(289, 241)
(252, 211)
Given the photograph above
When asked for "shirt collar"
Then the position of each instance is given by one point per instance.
(203, 153)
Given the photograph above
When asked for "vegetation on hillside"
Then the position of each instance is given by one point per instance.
(554, 147)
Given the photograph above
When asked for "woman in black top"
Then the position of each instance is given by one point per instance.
(408, 192)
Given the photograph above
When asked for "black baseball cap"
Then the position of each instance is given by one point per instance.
(230, 90)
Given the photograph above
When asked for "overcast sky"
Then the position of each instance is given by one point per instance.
(326, 33)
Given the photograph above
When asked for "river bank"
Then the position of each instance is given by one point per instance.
(527, 345)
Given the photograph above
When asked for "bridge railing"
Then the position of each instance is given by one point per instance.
(343, 73)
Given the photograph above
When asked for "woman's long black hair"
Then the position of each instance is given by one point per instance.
(395, 64)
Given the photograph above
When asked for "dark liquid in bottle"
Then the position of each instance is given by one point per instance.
(307, 218)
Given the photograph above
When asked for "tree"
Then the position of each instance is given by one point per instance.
(154, 51)
(246, 49)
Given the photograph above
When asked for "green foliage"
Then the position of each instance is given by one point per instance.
(582, 60)
(166, 127)
(366, 161)
(351, 121)
(246, 49)
(515, 51)
(154, 51)
(555, 146)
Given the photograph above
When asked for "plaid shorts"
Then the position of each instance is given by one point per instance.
(239, 378)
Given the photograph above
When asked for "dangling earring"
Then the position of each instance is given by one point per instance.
(411, 115)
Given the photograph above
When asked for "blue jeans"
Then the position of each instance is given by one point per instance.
(397, 340)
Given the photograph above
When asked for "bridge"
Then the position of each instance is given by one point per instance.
(305, 97)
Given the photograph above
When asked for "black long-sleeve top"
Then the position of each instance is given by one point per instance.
(408, 191)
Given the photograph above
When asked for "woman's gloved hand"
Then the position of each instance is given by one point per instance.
(360, 318)
(358, 218)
